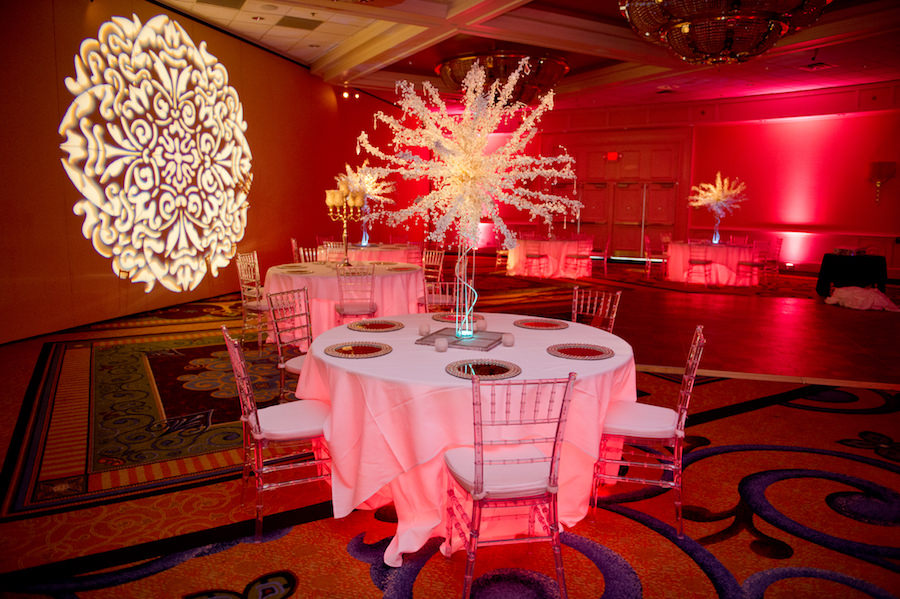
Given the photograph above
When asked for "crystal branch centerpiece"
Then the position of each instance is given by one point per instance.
(720, 198)
(468, 181)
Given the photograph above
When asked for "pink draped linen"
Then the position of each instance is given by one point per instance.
(556, 251)
(397, 289)
(373, 252)
(725, 258)
(393, 416)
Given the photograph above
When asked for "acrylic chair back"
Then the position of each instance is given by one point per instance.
(509, 414)
(687, 380)
(597, 306)
(308, 254)
(253, 296)
(440, 296)
(334, 251)
(248, 275)
(356, 288)
(289, 312)
(243, 383)
(295, 251)
(414, 253)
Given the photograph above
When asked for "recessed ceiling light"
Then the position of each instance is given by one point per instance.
(269, 7)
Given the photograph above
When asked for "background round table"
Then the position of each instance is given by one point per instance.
(398, 286)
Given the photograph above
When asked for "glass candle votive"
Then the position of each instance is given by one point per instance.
(424, 329)
(508, 339)
(441, 344)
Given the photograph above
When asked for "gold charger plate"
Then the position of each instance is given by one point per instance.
(375, 326)
(358, 349)
(580, 351)
(296, 269)
(486, 370)
(540, 324)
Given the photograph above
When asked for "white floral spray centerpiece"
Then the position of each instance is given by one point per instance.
(720, 198)
(468, 181)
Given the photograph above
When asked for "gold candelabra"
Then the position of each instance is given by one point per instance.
(345, 206)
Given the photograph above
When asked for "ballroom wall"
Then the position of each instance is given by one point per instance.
(300, 132)
(807, 180)
(804, 157)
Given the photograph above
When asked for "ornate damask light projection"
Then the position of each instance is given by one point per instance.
(154, 142)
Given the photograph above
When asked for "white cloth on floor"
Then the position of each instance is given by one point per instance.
(861, 298)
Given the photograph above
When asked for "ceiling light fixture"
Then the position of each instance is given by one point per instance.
(542, 75)
(719, 31)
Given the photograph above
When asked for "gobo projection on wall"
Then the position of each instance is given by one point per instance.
(155, 144)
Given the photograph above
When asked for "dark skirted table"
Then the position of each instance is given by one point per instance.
(844, 270)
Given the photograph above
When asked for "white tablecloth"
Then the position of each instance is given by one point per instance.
(398, 287)
(556, 251)
(394, 415)
(374, 252)
(725, 258)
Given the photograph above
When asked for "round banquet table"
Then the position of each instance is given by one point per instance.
(556, 251)
(393, 415)
(398, 286)
(724, 271)
(373, 252)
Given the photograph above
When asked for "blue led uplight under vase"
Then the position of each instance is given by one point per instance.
(465, 293)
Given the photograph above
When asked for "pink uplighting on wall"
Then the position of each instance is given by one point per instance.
(807, 176)
(796, 247)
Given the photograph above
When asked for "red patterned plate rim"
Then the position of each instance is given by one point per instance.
(485, 369)
(382, 263)
(540, 324)
(580, 351)
(403, 268)
(358, 349)
(375, 326)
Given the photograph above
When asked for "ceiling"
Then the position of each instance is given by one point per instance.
(371, 44)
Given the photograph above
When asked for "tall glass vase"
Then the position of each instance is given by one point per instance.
(715, 238)
(465, 292)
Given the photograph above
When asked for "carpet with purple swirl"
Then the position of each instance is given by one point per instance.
(791, 490)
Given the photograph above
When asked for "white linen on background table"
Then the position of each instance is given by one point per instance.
(725, 258)
(397, 289)
(374, 252)
(393, 416)
(556, 250)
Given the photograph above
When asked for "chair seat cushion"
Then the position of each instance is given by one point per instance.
(295, 365)
(501, 480)
(639, 420)
(355, 308)
(301, 419)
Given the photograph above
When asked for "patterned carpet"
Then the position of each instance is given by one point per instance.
(160, 412)
(790, 492)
